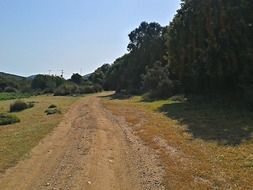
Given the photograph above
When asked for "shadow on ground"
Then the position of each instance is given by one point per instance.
(116, 96)
(208, 122)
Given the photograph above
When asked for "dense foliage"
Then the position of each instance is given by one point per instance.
(206, 49)
(46, 83)
(210, 46)
(145, 48)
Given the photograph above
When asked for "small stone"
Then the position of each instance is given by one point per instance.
(89, 182)
(47, 184)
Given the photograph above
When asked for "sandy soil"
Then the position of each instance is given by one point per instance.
(90, 150)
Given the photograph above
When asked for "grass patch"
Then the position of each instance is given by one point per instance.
(13, 95)
(7, 119)
(17, 140)
(212, 144)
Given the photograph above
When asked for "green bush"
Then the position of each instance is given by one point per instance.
(6, 119)
(66, 89)
(52, 106)
(88, 89)
(52, 111)
(10, 89)
(20, 105)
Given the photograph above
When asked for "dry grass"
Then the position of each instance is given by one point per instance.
(195, 156)
(17, 140)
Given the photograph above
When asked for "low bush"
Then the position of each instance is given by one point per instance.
(52, 111)
(10, 89)
(52, 106)
(6, 119)
(88, 89)
(20, 105)
(66, 89)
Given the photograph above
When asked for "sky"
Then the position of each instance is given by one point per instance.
(76, 36)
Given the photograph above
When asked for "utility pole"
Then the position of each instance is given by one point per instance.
(62, 72)
(49, 72)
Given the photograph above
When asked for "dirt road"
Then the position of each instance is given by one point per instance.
(90, 150)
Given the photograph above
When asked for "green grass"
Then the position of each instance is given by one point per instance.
(18, 139)
(12, 95)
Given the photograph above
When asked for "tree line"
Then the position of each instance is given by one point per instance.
(206, 49)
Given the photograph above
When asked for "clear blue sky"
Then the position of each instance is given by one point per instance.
(41, 35)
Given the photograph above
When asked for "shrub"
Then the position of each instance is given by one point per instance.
(97, 88)
(88, 89)
(10, 89)
(20, 105)
(52, 106)
(6, 119)
(66, 89)
(52, 111)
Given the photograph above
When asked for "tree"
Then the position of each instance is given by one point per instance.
(99, 76)
(210, 45)
(158, 83)
(46, 83)
(145, 47)
(76, 78)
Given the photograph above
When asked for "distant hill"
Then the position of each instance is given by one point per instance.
(11, 76)
(31, 77)
(12, 83)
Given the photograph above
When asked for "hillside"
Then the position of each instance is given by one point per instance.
(11, 76)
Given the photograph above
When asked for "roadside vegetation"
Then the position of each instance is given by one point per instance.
(197, 71)
(52, 109)
(13, 95)
(17, 140)
(20, 106)
(7, 119)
